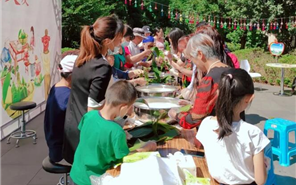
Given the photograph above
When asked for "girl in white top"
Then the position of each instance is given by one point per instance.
(234, 149)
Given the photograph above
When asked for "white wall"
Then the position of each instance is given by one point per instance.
(26, 57)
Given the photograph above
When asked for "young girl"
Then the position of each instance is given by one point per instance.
(234, 149)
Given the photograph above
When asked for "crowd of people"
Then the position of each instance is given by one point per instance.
(82, 107)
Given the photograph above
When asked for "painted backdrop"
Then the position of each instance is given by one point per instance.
(29, 52)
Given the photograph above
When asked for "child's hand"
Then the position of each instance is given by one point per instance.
(149, 146)
(128, 135)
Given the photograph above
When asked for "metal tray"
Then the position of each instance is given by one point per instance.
(157, 90)
(146, 112)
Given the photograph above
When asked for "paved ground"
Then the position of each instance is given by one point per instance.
(22, 166)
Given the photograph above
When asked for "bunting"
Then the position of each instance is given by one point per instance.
(229, 23)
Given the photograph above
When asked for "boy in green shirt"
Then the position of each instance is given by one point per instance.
(102, 141)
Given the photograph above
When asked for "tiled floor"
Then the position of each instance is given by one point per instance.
(22, 166)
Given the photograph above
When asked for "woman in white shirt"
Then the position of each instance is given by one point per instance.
(234, 149)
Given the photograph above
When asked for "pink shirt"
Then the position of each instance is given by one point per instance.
(127, 52)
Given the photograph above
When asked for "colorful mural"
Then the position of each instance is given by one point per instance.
(31, 43)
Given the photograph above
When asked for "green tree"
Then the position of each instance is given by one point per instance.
(77, 13)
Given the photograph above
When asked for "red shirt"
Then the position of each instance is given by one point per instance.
(205, 101)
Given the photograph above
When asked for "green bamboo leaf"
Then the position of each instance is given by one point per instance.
(138, 144)
(185, 108)
(141, 132)
(169, 135)
(167, 46)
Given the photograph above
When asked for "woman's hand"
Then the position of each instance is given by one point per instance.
(172, 114)
(183, 102)
(144, 64)
(175, 65)
(141, 81)
(135, 73)
(110, 59)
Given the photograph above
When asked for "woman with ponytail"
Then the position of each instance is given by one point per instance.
(91, 75)
(239, 145)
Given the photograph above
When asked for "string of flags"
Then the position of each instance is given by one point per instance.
(216, 21)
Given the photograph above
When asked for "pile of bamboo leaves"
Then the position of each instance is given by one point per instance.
(157, 70)
(154, 130)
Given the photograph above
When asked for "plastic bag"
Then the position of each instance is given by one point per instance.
(153, 170)
(104, 179)
(189, 93)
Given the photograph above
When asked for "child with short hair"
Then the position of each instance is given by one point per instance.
(102, 141)
(234, 149)
(56, 105)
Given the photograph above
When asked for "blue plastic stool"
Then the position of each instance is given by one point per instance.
(271, 180)
(280, 142)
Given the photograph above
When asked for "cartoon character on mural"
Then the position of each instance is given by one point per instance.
(32, 41)
(18, 63)
(46, 62)
(5, 61)
(17, 3)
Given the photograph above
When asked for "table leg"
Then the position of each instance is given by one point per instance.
(282, 92)
(282, 81)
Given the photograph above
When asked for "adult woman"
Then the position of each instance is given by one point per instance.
(91, 75)
(202, 52)
(174, 36)
(183, 66)
(219, 43)
(120, 59)
(158, 37)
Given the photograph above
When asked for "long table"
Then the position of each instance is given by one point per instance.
(184, 141)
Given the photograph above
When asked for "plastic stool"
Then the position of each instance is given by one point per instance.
(23, 133)
(56, 168)
(271, 180)
(280, 142)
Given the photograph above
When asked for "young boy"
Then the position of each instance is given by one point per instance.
(102, 141)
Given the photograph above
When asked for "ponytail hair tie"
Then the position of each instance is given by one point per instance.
(230, 76)
(60, 68)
